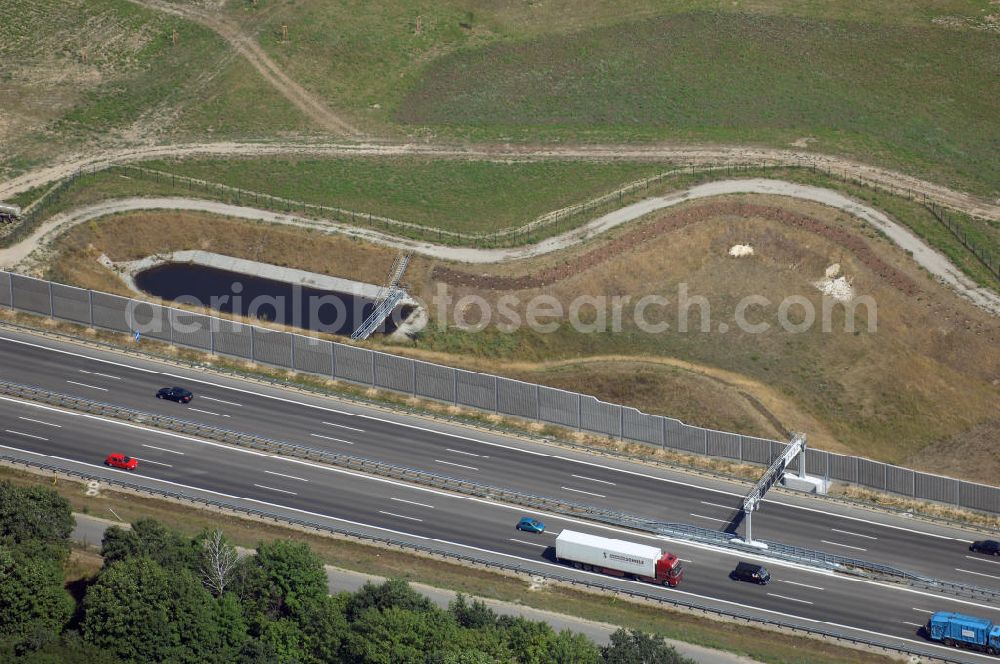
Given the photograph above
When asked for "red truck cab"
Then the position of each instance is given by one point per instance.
(669, 569)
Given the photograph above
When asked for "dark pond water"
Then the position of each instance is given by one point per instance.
(258, 298)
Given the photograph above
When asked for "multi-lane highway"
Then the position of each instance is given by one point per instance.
(462, 523)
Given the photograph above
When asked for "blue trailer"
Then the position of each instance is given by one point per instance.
(956, 629)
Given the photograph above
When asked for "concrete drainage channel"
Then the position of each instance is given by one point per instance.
(677, 531)
(530, 574)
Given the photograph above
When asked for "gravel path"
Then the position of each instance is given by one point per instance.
(248, 48)
(935, 263)
(687, 155)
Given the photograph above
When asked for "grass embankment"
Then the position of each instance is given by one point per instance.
(693, 463)
(912, 87)
(479, 196)
(761, 645)
(886, 394)
(453, 195)
(80, 73)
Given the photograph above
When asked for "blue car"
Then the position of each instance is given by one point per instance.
(530, 525)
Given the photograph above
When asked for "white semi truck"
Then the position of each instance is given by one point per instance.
(9, 212)
(618, 558)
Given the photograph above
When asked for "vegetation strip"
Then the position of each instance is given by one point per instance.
(594, 584)
(761, 645)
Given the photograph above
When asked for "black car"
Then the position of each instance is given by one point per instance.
(989, 547)
(178, 394)
(750, 572)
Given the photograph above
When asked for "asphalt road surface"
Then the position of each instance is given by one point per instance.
(462, 523)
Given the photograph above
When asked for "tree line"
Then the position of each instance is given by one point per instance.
(161, 596)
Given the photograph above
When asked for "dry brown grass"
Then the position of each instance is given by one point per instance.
(929, 373)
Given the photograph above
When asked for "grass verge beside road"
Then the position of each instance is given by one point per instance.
(762, 645)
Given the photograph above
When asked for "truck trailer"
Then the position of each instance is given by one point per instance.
(618, 558)
(9, 212)
(956, 629)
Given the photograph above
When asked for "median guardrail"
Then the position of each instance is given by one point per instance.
(679, 531)
(523, 570)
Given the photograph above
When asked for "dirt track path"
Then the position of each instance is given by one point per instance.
(880, 178)
(937, 264)
(243, 44)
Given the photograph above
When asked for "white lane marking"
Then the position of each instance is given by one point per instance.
(228, 495)
(909, 623)
(26, 435)
(91, 387)
(291, 477)
(339, 440)
(790, 599)
(983, 560)
(449, 463)
(327, 409)
(162, 449)
(889, 588)
(18, 449)
(967, 571)
(228, 403)
(207, 412)
(411, 518)
(444, 433)
(846, 546)
(906, 640)
(271, 488)
(710, 518)
(921, 610)
(158, 463)
(591, 479)
(796, 583)
(588, 493)
(86, 357)
(848, 532)
(530, 452)
(342, 426)
(412, 502)
(98, 373)
(542, 546)
(725, 507)
(677, 591)
(472, 454)
(48, 424)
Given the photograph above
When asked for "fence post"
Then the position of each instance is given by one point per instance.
(90, 305)
(211, 333)
(454, 386)
(52, 311)
(291, 347)
(253, 352)
(333, 360)
(372, 354)
(413, 376)
(704, 439)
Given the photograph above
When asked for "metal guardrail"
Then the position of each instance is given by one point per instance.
(400, 407)
(478, 561)
(681, 531)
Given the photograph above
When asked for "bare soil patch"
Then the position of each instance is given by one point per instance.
(671, 222)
